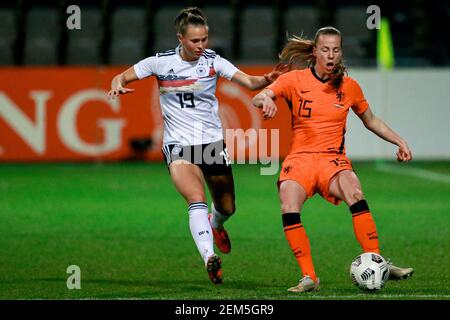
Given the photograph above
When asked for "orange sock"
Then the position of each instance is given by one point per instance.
(299, 243)
(364, 227)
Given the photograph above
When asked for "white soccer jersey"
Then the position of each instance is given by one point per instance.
(187, 94)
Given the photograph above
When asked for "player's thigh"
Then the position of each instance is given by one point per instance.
(188, 180)
(221, 188)
(292, 196)
(346, 186)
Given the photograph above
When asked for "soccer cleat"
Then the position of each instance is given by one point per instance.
(220, 238)
(306, 284)
(397, 273)
(214, 268)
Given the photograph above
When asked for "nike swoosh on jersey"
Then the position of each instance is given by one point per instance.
(339, 105)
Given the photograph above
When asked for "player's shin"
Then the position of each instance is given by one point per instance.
(201, 229)
(364, 227)
(299, 242)
(218, 219)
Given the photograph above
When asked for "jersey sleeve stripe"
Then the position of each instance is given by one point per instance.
(209, 55)
(166, 53)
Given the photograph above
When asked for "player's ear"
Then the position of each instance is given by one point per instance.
(314, 51)
(180, 37)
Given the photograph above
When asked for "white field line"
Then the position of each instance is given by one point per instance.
(299, 297)
(383, 296)
(415, 172)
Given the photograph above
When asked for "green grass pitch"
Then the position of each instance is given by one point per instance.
(126, 227)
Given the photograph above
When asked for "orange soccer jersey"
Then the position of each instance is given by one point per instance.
(319, 112)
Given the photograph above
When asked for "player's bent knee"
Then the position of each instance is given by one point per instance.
(355, 196)
(227, 209)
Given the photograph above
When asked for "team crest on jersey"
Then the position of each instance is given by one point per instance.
(287, 169)
(202, 71)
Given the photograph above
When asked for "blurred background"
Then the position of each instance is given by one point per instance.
(76, 187)
(33, 32)
(53, 102)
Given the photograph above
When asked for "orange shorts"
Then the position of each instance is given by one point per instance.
(314, 171)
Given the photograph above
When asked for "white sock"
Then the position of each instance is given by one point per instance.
(201, 229)
(218, 219)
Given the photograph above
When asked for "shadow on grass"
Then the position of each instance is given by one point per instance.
(179, 289)
(168, 283)
(153, 289)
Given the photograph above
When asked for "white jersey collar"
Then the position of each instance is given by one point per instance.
(180, 59)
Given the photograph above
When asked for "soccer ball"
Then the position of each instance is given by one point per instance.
(369, 271)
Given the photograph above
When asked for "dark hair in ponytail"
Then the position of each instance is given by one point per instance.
(298, 54)
(187, 16)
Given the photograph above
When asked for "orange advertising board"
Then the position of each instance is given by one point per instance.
(63, 114)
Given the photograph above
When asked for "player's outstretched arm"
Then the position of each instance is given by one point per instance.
(264, 101)
(259, 82)
(249, 81)
(119, 82)
(381, 129)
